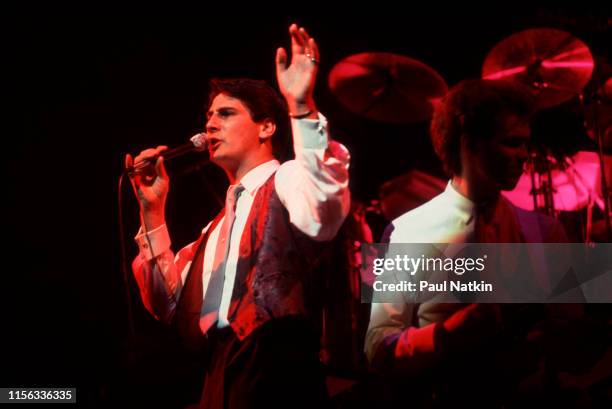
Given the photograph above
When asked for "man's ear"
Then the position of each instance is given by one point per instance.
(267, 127)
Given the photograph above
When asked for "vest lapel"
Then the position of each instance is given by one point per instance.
(187, 316)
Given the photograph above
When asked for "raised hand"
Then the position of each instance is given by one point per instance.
(297, 81)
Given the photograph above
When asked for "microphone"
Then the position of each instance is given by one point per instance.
(197, 143)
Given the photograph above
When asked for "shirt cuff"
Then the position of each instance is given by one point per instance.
(310, 133)
(153, 243)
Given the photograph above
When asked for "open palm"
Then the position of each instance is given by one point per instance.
(296, 81)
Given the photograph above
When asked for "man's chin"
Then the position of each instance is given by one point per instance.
(217, 157)
(224, 161)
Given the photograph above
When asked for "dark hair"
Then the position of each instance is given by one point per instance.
(474, 109)
(263, 102)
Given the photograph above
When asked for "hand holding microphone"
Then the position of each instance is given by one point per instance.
(151, 182)
(147, 158)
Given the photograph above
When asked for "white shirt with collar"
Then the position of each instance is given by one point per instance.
(447, 218)
(313, 188)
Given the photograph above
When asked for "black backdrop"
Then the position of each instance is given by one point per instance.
(83, 89)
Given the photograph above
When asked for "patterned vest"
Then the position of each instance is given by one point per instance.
(276, 275)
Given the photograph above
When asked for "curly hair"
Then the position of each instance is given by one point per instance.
(262, 102)
(474, 109)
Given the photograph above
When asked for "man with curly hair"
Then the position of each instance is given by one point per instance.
(480, 132)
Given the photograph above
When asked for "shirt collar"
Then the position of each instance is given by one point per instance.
(257, 176)
(457, 200)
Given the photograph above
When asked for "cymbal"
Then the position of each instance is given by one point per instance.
(574, 184)
(555, 65)
(387, 87)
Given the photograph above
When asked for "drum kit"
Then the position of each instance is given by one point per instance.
(553, 65)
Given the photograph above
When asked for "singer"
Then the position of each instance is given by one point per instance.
(245, 293)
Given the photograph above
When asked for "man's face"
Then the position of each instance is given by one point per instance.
(231, 132)
(498, 162)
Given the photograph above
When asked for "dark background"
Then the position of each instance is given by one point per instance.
(84, 89)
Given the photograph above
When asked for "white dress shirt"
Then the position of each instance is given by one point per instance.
(313, 188)
(447, 218)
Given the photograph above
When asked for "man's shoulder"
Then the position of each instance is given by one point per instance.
(539, 227)
(417, 224)
(421, 213)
